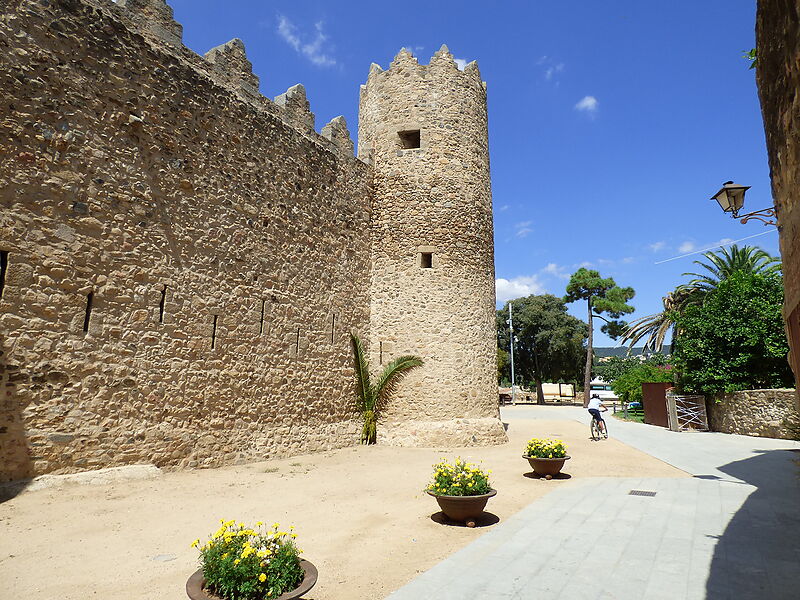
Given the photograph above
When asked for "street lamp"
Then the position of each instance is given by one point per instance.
(731, 200)
(512, 340)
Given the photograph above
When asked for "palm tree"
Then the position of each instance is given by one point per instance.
(656, 327)
(721, 265)
(370, 396)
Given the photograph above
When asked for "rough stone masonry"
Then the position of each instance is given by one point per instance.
(778, 78)
(182, 260)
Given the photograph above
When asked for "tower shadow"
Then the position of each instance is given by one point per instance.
(757, 555)
(16, 466)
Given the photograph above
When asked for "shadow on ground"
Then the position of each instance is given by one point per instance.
(758, 555)
(559, 476)
(485, 520)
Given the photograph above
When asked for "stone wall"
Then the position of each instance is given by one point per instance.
(778, 77)
(424, 128)
(182, 258)
(763, 413)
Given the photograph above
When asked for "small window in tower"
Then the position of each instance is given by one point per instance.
(426, 260)
(409, 139)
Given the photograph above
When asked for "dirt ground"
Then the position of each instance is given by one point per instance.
(360, 515)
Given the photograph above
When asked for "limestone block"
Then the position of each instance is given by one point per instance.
(296, 108)
(230, 63)
(336, 131)
(155, 17)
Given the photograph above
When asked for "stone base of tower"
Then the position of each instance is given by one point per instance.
(487, 431)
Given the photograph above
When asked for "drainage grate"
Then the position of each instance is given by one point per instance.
(641, 493)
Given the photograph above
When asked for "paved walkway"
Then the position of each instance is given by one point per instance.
(731, 531)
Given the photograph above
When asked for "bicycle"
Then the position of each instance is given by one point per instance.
(595, 429)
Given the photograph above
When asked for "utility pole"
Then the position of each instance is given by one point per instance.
(511, 337)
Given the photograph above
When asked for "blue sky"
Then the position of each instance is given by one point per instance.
(610, 123)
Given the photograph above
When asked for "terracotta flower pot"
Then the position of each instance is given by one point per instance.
(463, 508)
(196, 583)
(546, 467)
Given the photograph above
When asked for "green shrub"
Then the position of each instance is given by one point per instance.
(240, 563)
(628, 386)
(735, 339)
(459, 479)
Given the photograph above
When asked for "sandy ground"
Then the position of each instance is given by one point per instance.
(360, 515)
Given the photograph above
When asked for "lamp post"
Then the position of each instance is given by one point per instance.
(731, 200)
(511, 337)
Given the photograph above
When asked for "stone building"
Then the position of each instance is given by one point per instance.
(778, 77)
(182, 260)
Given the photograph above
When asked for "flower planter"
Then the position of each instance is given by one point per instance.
(463, 508)
(546, 467)
(196, 583)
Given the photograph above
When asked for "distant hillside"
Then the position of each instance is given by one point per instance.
(621, 351)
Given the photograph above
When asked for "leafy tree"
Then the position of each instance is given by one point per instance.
(720, 265)
(370, 396)
(614, 367)
(628, 386)
(503, 364)
(735, 339)
(601, 296)
(549, 342)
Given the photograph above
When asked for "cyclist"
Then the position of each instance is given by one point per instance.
(595, 406)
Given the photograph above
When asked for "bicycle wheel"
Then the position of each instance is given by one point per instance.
(605, 429)
(595, 429)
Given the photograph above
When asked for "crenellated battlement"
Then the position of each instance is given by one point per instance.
(441, 64)
(230, 63)
(155, 18)
(227, 65)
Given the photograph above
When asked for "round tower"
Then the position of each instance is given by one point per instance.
(424, 130)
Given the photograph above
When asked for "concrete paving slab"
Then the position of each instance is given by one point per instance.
(732, 531)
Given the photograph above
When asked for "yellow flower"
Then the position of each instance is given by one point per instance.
(236, 562)
(262, 578)
(196, 543)
(225, 555)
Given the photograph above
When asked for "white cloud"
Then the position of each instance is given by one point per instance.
(314, 50)
(523, 228)
(657, 246)
(628, 260)
(461, 62)
(504, 208)
(519, 287)
(687, 246)
(550, 68)
(587, 104)
(586, 264)
(554, 70)
(556, 270)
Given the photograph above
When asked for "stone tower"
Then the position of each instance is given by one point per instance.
(424, 130)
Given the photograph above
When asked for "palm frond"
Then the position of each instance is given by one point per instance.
(653, 327)
(724, 262)
(361, 365)
(395, 371)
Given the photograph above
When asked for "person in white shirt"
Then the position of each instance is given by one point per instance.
(595, 405)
